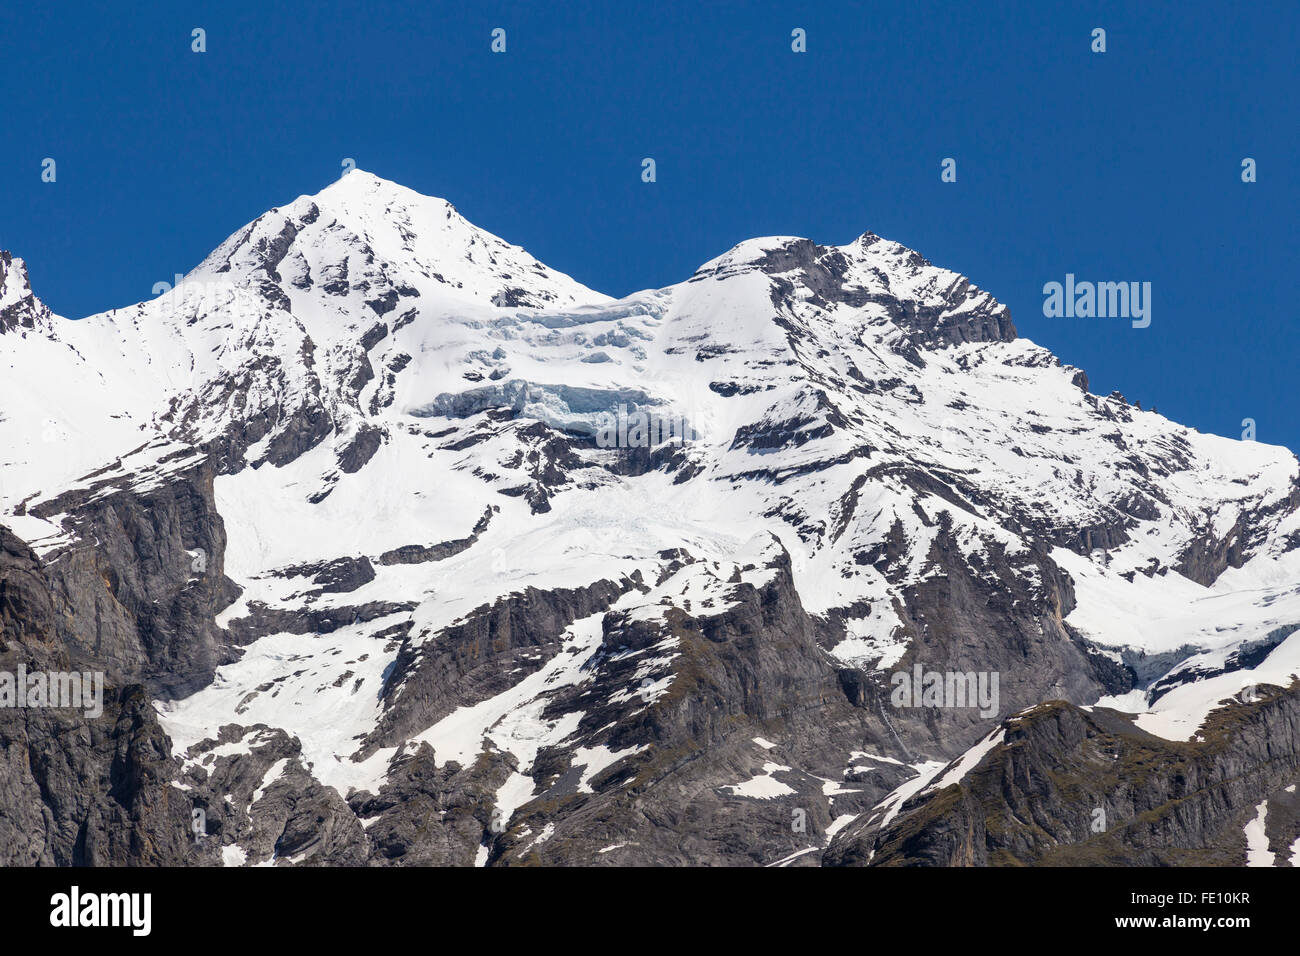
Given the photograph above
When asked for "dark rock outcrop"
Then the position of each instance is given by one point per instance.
(1069, 787)
(79, 788)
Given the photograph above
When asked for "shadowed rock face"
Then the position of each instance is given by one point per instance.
(1065, 787)
(79, 790)
(263, 799)
(427, 815)
(141, 601)
(481, 656)
(959, 620)
(752, 671)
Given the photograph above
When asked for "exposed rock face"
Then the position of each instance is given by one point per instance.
(263, 800)
(419, 553)
(396, 547)
(709, 690)
(957, 622)
(483, 655)
(142, 601)
(1066, 787)
(427, 815)
(78, 790)
(20, 311)
(958, 313)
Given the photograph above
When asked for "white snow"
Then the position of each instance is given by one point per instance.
(1257, 852)
(968, 761)
(233, 855)
(764, 786)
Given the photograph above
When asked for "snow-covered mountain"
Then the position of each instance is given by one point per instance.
(363, 508)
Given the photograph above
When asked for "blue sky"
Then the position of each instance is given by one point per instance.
(1122, 166)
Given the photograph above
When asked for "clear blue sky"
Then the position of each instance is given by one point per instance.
(1117, 166)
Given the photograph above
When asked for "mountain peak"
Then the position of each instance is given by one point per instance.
(19, 307)
(363, 182)
(931, 305)
(368, 236)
